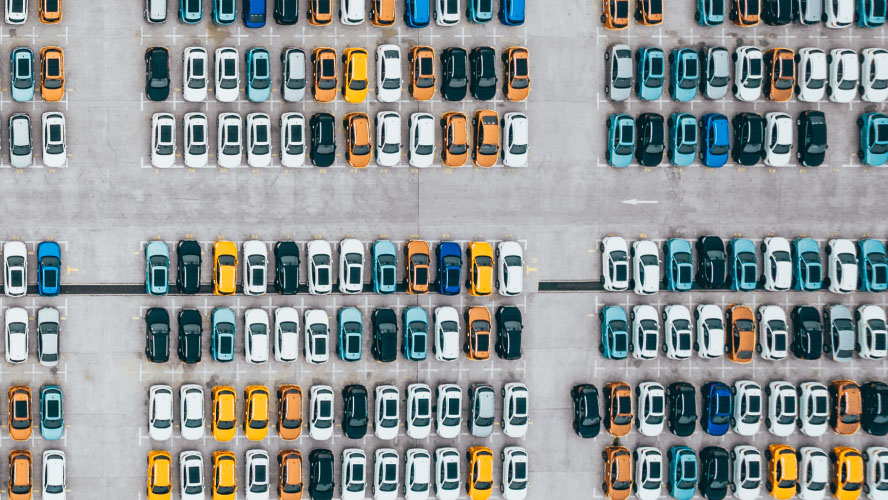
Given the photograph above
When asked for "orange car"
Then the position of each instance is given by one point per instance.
(52, 75)
(382, 12)
(20, 475)
(480, 281)
(417, 252)
(783, 472)
(19, 412)
(847, 473)
(421, 60)
(745, 12)
(289, 475)
(618, 408)
(224, 475)
(479, 479)
(289, 422)
(740, 343)
(323, 62)
(486, 123)
(455, 136)
(224, 268)
(50, 11)
(320, 12)
(615, 14)
(649, 12)
(159, 465)
(846, 406)
(357, 139)
(477, 344)
(617, 472)
(224, 419)
(517, 83)
(256, 412)
(780, 74)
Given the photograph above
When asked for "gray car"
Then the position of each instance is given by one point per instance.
(482, 412)
(20, 151)
(716, 72)
(293, 83)
(48, 336)
(618, 71)
(840, 341)
(808, 11)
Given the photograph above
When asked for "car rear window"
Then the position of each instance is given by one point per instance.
(52, 67)
(52, 5)
(622, 9)
(323, 6)
(657, 66)
(225, 345)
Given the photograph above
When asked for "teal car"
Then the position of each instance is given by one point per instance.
(224, 12)
(479, 11)
(682, 473)
(52, 421)
(807, 270)
(873, 148)
(385, 267)
(682, 139)
(351, 333)
(871, 13)
(872, 265)
(224, 330)
(22, 74)
(157, 268)
(416, 333)
(742, 264)
(685, 74)
(620, 139)
(190, 11)
(614, 332)
(651, 71)
(679, 264)
(258, 74)
(710, 12)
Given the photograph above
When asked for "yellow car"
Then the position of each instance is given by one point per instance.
(847, 473)
(783, 472)
(159, 465)
(354, 66)
(479, 479)
(223, 413)
(481, 268)
(224, 268)
(224, 477)
(256, 406)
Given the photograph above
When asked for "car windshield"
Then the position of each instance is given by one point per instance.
(744, 325)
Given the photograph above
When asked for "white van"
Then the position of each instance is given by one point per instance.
(156, 11)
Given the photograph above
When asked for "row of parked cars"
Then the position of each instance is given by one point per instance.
(810, 407)
(480, 78)
(293, 141)
(53, 150)
(15, 268)
(52, 422)
(53, 483)
(832, 13)
(17, 333)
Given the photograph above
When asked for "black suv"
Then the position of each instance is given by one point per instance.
(682, 408)
(649, 143)
(286, 12)
(587, 417)
(714, 472)
(777, 12)
(482, 62)
(323, 139)
(157, 73)
(508, 332)
(710, 262)
(320, 466)
(749, 138)
(453, 74)
(812, 138)
(807, 333)
(354, 422)
(875, 408)
(385, 335)
(157, 338)
(188, 266)
(190, 331)
(286, 267)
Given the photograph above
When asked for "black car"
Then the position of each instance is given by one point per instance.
(812, 138)
(354, 422)
(714, 467)
(286, 267)
(777, 12)
(190, 331)
(188, 266)
(682, 408)
(385, 335)
(587, 418)
(157, 73)
(749, 138)
(453, 74)
(323, 139)
(320, 468)
(875, 408)
(482, 62)
(286, 12)
(649, 143)
(711, 261)
(807, 333)
(157, 339)
(508, 332)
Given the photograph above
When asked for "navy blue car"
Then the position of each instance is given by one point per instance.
(716, 415)
(449, 267)
(254, 13)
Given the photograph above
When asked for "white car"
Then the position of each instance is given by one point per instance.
(447, 478)
(776, 264)
(255, 267)
(229, 145)
(773, 332)
(155, 11)
(48, 336)
(194, 74)
(196, 130)
(16, 11)
(320, 424)
(746, 414)
(256, 341)
(351, 266)
(515, 472)
(257, 475)
(258, 140)
(387, 415)
(417, 474)
(614, 263)
(351, 12)
(317, 336)
(292, 139)
(388, 74)
(782, 408)
(422, 140)
(163, 140)
(876, 464)
(813, 467)
(710, 341)
(516, 409)
(191, 411)
(21, 152)
(778, 139)
(54, 483)
(293, 75)
(191, 476)
(646, 267)
(677, 335)
(748, 73)
(510, 268)
(812, 74)
(16, 335)
(838, 13)
(388, 138)
(649, 468)
(813, 408)
(227, 74)
(446, 12)
(385, 474)
(645, 332)
(448, 416)
(841, 266)
(286, 334)
(54, 144)
(844, 73)
(419, 411)
(874, 75)
(808, 12)
(354, 482)
(515, 132)
(320, 267)
(651, 405)
(15, 268)
(748, 471)
(446, 345)
(872, 335)
(160, 412)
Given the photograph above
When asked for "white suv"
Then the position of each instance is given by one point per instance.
(255, 267)
(748, 73)
(747, 408)
(646, 267)
(651, 404)
(782, 408)
(388, 73)
(448, 418)
(677, 335)
(813, 408)
(351, 266)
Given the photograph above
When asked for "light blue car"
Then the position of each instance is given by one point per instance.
(385, 267)
(682, 473)
(742, 264)
(620, 139)
(614, 332)
(806, 267)
(416, 333)
(872, 265)
(479, 11)
(22, 74)
(679, 264)
(157, 268)
(224, 12)
(258, 75)
(682, 139)
(351, 331)
(651, 71)
(873, 149)
(224, 330)
(685, 74)
(52, 421)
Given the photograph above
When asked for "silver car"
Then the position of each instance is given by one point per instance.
(20, 151)
(808, 12)
(840, 341)
(48, 336)
(618, 69)
(482, 410)
(716, 72)
(293, 83)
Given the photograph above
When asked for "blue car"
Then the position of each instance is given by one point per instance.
(258, 75)
(479, 11)
(614, 332)
(416, 13)
(511, 12)
(872, 265)
(224, 330)
(224, 12)
(190, 11)
(385, 267)
(351, 330)
(710, 12)
(651, 70)
(742, 264)
(52, 420)
(620, 139)
(49, 268)
(22, 74)
(871, 13)
(679, 265)
(715, 136)
(685, 74)
(873, 139)
(157, 268)
(716, 416)
(682, 139)
(806, 267)
(254, 13)
(449, 267)
(682, 472)
(416, 333)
